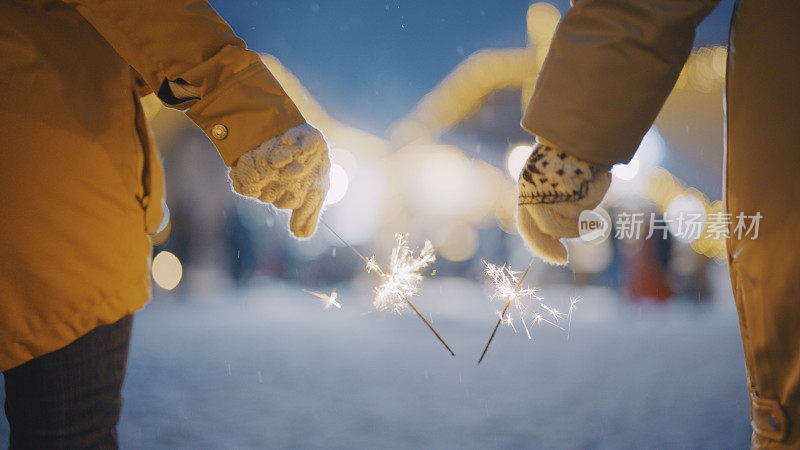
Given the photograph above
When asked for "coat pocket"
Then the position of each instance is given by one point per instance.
(151, 195)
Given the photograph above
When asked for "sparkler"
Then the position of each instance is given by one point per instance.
(327, 300)
(507, 285)
(402, 279)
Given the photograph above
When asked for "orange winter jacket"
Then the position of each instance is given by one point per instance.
(81, 182)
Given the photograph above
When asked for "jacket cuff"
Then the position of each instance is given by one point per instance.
(241, 114)
(581, 141)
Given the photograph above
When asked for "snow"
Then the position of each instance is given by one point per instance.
(268, 367)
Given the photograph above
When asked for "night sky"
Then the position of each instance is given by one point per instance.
(368, 62)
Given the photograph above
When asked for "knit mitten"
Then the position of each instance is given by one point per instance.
(554, 188)
(290, 171)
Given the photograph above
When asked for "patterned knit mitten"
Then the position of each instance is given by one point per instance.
(290, 171)
(554, 188)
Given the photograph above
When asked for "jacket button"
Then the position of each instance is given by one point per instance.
(219, 131)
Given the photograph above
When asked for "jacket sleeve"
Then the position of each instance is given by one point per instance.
(610, 68)
(240, 104)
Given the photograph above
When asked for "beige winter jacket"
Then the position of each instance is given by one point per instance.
(612, 64)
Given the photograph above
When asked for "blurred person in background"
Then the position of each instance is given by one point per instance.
(82, 185)
(611, 66)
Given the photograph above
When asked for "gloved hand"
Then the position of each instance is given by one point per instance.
(554, 188)
(290, 171)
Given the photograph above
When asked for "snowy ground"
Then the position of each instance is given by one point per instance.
(269, 368)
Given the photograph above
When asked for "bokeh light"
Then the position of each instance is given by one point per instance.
(515, 161)
(167, 270)
(457, 241)
(542, 18)
(346, 160)
(628, 171)
(164, 228)
(589, 257)
(678, 210)
(444, 182)
(339, 184)
(652, 149)
(357, 218)
(650, 154)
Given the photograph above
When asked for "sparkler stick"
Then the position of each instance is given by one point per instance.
(500, 320)
(373, 265)
(345, 242)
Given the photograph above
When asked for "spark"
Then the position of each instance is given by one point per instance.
(527, 331)
(538, 318)
(557, 315)
(573, 301)
(402, 280)
(372, 265)
(522, 303)
(327, 300)
(508, 321)
(507, 287)
(503, 278)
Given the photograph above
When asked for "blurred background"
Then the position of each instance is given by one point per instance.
(421, 103)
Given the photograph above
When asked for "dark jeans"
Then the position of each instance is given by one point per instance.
(70, 398)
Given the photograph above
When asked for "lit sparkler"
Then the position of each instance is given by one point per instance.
(401, 281)
(403, 278)
(327, 300)
(507, 286)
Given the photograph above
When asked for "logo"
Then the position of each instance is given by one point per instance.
(594, 225)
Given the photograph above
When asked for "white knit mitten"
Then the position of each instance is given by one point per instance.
(554, 188)
(290, 171)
